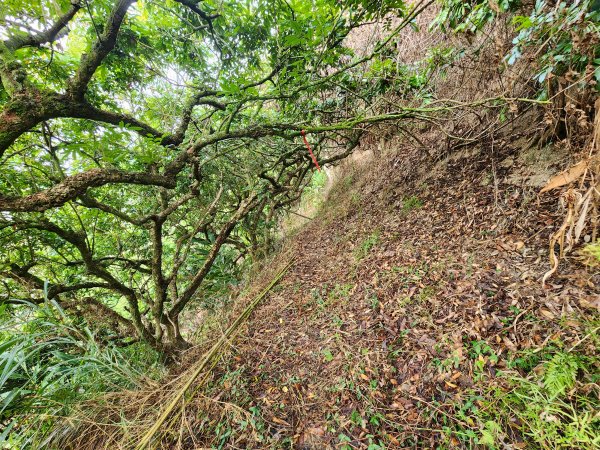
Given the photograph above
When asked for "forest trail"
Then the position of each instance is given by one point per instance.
(175, 274)
(410, 289)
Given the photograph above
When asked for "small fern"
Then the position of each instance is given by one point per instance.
(560, 373)
(552, 409)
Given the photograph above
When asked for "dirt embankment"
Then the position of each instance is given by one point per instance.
(415, 286)
(416, 282)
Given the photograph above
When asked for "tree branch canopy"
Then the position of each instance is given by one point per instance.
(76, 185)
(53, 106)
(199, 104)
(101, 48)
(47, 36)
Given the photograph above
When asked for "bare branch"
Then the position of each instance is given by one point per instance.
(23, 276)
(193, 5)
(180, 258)
(245, 207)
(86, 111)
(158, 278)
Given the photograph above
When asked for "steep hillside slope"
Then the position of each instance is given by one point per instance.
(416, 284)
(414, 313)
(413, 316)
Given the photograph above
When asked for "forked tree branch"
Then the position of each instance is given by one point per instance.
(244, 208)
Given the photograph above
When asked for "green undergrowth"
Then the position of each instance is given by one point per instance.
(50, 362)
(411, 203)
(545, 398)
(367, 244)
(591, 253)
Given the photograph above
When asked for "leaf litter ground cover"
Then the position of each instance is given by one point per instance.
(413, 317)
(414, 289)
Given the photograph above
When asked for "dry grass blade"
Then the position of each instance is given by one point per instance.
(205, 363)
(581, 208)
(583, 213)
(559, 238)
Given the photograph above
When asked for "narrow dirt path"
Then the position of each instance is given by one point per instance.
(408, 288)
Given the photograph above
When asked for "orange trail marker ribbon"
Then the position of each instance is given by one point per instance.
(312, 155)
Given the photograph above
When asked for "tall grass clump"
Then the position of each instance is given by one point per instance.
(50, 362)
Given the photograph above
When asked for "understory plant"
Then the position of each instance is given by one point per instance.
(544, 400)
(50, 362)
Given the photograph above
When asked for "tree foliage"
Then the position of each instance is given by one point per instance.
(147, 147)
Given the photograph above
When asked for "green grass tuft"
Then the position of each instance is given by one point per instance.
(367, 245)
(410, 203)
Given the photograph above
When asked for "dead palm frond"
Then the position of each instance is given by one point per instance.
(581, 200)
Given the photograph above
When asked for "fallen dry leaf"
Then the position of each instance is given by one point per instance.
(566, 177)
